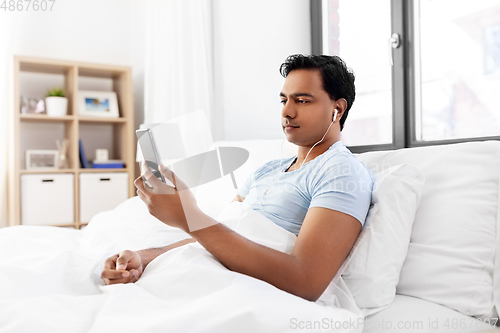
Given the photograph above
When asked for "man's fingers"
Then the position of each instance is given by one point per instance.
(139, 185)
(110, 263)
(141, 195)
(134, 275)
(114, 274)
(121, 265)
(115, 269)
(141, 188)
(123, 258)
(115, 277)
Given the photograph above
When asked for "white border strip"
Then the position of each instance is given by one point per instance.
(325, 27)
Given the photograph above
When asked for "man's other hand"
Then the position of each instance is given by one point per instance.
(124, 267)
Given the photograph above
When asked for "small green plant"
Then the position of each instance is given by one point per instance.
(56, 91)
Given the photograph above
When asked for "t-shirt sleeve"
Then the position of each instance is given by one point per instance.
(345, 186)
(245, 189)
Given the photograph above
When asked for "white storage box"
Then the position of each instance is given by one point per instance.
(47, 199)
(100, 192)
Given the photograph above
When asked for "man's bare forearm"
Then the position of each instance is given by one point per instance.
(147, 255)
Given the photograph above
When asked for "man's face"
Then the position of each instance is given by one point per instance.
(307, 108)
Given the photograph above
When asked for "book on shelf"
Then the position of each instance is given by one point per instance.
(83, 157)
(108, 164)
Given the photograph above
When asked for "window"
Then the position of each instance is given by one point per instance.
(438, 85)
(365, 51)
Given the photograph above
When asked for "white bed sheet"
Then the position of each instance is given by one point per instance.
(49, 282)
(414, 315)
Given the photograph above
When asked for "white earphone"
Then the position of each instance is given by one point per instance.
(334, 118)
(281, 158)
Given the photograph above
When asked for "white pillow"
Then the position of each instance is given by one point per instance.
(372, 271)
(451, 255)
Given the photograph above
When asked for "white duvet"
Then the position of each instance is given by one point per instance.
(49, 281)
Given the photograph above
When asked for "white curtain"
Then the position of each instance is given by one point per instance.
(178, 63)
(6, 91)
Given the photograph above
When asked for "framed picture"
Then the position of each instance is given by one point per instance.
(42, 159)
(98, 104)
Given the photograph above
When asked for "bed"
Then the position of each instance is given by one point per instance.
(426, 260)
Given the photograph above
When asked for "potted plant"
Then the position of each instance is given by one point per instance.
(55, 102)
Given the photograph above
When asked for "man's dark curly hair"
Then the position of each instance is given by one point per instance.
(338, 80)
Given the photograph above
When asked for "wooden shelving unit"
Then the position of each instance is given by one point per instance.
(123, 127)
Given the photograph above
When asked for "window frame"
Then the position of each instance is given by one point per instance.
(404, 85)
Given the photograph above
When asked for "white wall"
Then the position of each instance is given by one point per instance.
(251, 40)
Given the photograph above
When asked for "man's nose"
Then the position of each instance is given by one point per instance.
(288, 110)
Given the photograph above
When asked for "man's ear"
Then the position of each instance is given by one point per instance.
(341, 106)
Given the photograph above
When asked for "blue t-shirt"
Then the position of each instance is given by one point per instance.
(334, 180)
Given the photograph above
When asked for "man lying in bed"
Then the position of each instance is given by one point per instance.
(322, 195)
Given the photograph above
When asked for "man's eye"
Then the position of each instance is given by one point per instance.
(283, 101)
(303, 101)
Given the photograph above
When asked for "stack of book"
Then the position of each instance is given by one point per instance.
(108, 164)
